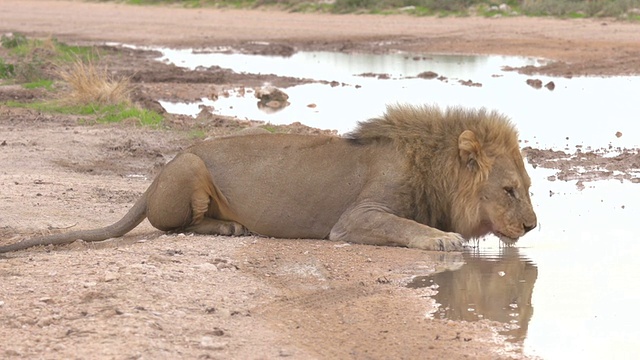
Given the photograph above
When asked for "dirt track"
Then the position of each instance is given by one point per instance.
(583, 46)
(151, 295)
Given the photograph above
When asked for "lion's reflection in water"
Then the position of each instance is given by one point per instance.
(494, 287)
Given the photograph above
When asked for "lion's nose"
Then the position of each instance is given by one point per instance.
(528, 228)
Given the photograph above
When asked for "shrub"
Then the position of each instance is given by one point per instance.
(14, 40)
(7, 71)
(92, 86)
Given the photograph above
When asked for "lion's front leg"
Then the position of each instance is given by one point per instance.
(370, 224)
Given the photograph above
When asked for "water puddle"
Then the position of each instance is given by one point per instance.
(492, 285)
(569, 289)
(353, 89)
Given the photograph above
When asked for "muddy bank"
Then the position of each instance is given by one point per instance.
(588, 165)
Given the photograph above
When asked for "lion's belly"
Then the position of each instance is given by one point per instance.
(289, 204)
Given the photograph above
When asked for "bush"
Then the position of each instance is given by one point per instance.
(7, 71)
(14, 40)
(579, 8)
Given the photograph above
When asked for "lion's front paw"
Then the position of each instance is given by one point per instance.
(443, 241)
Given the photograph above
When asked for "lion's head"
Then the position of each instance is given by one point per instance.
(493, 182)
(464, 168)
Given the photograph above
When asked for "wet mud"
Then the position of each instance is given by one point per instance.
(588, 165)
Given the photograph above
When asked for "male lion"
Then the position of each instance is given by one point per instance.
(418, 177)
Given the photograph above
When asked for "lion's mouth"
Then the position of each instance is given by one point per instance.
(504, 238)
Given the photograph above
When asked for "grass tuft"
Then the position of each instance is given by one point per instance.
(7, 71)
(92, 86)
(14, 40)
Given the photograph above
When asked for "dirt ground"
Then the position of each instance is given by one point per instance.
(153, 295)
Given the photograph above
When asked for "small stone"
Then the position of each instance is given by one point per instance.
(210, 343)
(428, 75)
(285, 353)
(207, 267)
(110, 276)
(534, 83)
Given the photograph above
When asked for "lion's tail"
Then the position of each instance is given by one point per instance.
(134, 216)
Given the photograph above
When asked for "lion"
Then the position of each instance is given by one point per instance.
(418, 177)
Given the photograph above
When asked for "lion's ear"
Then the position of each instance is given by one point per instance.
(470, 150)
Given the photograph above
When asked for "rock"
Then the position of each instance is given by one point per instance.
(271, 98)
(205, 114)
(428, 75)
(207, 342)
(271, 93)
(110, 276)
(534, 83)
(470, 83)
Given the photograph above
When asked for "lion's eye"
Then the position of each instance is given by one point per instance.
(510, 191)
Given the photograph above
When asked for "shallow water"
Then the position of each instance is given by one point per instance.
(545, 118)
(570, 287)
(493, 284)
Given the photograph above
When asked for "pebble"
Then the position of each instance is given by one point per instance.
(206, 267)
(210, 343)
(110, 276)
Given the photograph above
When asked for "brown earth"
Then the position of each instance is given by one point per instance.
(152, 295)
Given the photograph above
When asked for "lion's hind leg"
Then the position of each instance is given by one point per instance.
(184, 198)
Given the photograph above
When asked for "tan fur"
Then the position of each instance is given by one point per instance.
(417, 177)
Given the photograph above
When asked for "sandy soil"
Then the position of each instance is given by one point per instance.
(152, 295)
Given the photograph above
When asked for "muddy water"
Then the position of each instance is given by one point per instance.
(570, 288)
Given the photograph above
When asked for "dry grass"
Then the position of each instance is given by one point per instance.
(90, 85)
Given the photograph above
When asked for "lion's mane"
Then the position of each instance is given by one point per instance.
(444, 196)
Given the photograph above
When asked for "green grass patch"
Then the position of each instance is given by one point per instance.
(13, 40)
(197, 134)
(50, 49)
(47, 84)
(103, 113)
(270, 128)
(7, 71)
(185, 3)
(143, 116)
(33, 60)
(623, 9)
